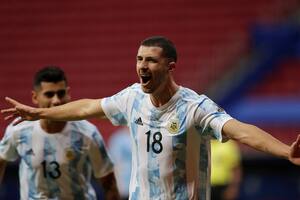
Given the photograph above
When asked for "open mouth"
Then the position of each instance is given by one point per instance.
(145, 78)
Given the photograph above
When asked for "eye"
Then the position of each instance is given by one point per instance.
(61, 93)
(152, 60)
(49, 94)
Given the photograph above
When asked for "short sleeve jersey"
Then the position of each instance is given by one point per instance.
(59, 165)
(170, 144)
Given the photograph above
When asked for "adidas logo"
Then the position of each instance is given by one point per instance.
(139, 121)
(30, 152)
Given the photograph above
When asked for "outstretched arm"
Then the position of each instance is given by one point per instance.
(261, 140)
(76, 110)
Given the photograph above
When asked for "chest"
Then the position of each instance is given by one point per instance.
(37, 150)
(162, 133)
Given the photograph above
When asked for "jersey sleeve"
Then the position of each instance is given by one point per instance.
(211, 119)
(115, 107)
(99, 157)
(8, 149)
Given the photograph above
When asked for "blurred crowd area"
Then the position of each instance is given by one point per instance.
(244, 54)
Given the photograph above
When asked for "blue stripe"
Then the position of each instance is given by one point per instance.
(49, 156)
(86, 171)
(97, 137)
(199, 105)
(203, 167)
(26, 141)
(153, 165)
(179, 148)
(76, 145)
(133, 129)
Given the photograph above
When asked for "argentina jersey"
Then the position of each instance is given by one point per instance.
(171, 143)
(58, 165)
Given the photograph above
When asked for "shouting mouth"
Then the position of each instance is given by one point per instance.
(145, 79)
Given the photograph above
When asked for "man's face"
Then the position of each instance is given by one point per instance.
(152, 68)
(51, 94)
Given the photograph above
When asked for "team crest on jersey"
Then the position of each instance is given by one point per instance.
(70, 154)
(173, 126)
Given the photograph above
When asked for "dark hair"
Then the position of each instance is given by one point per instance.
(52, 74)
(169, 50)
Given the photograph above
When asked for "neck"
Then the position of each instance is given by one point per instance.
(164, 94)
(52, 126)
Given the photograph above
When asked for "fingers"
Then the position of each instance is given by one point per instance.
(8, 110)
(9, 117)
(12, 113)
(297, 142)
(11, 101)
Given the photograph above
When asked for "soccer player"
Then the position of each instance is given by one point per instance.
(171, 127)
(57, 158)
(226, 170)
(120, 150)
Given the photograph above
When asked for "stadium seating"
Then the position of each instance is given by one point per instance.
(96, 41)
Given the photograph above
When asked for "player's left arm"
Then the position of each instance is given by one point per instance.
(109, 185)
(261, 140)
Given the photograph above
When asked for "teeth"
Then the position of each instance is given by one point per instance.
(145, 79)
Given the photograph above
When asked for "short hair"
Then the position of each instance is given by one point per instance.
(169, 49)
(52, 74)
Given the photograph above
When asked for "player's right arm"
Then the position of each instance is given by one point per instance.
(75, 110)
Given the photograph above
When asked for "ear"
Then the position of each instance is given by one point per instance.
(68, 92)
(34, 97)
(172, 66)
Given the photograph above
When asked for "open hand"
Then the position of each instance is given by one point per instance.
(20, 111)
(294, 155)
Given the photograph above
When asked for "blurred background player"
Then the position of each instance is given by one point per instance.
(57, 159)
(120, 150)
(226, 170)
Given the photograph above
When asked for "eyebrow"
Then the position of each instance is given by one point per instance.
(61, 92)
(147, 57)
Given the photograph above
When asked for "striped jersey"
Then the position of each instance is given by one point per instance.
(170, 144)
(59, 165)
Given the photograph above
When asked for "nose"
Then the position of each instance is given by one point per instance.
(56, 101)
(143, 64)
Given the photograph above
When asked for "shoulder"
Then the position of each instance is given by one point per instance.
(13, 133)
(83, 126)
(85, 130)
(129, 93)
(23, 126)
(134, 88)
(191, 96)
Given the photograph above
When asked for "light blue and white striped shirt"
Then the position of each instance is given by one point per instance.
(59, 165)
(170, 144)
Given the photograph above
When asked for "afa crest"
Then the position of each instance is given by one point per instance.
(173, 126)
(70, 154)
